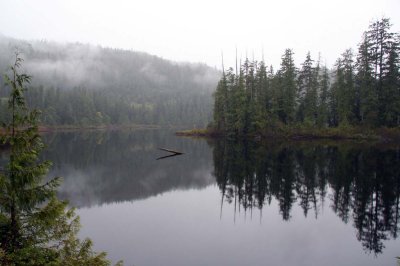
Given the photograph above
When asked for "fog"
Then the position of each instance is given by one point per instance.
(83, 84)
(68, 65)
(199, 31)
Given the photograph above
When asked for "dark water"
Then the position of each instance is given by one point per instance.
(231, 203)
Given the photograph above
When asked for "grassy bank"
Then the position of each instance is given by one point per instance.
(63, 128)
(100, 127)
(199, 132)
(306, 133)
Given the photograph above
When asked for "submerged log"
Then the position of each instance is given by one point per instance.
(168, 156)
(171, 151)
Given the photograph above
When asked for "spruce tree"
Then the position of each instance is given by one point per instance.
(239, 103)
(380, 43)
(307, 92)
(35, 227)
(287, 97)
(391, 85)
(342, 92)
(220, 104)
(323, 103)
(365, 93)
(263, 96)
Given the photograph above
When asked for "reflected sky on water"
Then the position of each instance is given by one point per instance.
(231, 202)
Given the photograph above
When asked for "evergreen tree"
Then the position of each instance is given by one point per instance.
(307, 92)
(274, 96)
(35, 227)
(391, 86)
(287, 94)
(380, 44)
(262, 95)
(323, 103)
(250, 87)
(365, 93)
(342, 94)
(220, 105)
(229, 101)
(239, 104)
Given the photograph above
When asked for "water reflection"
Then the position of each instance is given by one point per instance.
(360, 183)
(112, 166)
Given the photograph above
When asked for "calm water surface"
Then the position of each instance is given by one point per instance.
(231, 203)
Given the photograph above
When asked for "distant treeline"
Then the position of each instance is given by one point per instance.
(79, 84)
(361, 90)
(79, 106)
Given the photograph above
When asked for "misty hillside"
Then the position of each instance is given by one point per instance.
(84, 84)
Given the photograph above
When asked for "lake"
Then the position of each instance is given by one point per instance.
(230, 202)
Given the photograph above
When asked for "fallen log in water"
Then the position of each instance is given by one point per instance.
(171, 151)
(168, 156)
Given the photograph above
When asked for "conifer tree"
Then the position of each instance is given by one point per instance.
(307, 92)
(380, 41)
(261, 97)
(365, 93)
(342, 93)
(239, 103)
(323, 103)
(287, 97)
(35, 227)
(391, 85)
(220, 105)
(274, 94)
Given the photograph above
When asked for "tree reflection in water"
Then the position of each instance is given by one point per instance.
(360, 182)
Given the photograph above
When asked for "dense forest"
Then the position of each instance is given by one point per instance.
(362, 89)
(81, 84)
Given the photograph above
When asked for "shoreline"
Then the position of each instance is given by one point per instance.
(305, 134)
(49, 129)
(291, 133)
(70, 128)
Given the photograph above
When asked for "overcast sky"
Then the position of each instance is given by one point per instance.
(197, 31)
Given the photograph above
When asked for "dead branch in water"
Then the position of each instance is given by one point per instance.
(171, 151)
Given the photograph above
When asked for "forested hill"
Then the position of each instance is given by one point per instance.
(81, 84)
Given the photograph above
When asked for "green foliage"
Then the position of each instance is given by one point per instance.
(363, 92)
(35, 227)
(342, 92)
(307, 92)
(287, 91)
(75, 82)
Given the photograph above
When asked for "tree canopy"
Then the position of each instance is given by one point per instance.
(361, 90)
